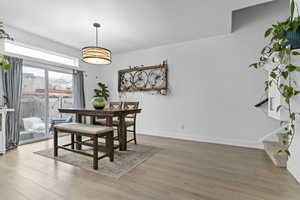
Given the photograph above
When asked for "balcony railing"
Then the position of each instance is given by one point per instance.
(33, 114)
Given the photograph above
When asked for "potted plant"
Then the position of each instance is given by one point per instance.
(101, 96)
(285, 38)
(4, 63)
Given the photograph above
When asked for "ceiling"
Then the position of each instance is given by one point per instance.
(126, 24)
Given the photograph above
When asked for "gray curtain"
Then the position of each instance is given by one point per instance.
(12, 88)
(78, 89)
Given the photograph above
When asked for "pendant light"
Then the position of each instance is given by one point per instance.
(94, 54)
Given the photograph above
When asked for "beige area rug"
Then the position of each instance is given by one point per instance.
(124, 161)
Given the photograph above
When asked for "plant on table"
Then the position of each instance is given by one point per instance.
(101, 96)
(285, 38)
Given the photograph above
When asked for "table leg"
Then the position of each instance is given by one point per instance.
(78, 137)
(93, 119)
(55, 142)
(122, 134)
(109, 120)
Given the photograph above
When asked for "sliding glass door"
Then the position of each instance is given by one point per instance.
(43, 92)
(33, 104)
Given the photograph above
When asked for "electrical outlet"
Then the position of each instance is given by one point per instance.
(182, 127)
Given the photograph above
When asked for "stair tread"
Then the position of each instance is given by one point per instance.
(272, 148)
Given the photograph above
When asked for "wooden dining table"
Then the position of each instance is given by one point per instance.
(109, 114)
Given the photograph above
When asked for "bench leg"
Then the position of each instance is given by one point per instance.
(78, 139)
(95, 149)
(72, 141)
(55, 142)
(109, 142)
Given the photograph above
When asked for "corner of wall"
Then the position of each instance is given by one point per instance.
(292, 168)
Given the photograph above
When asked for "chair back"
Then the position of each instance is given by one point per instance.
(115, 105)
(131, 105)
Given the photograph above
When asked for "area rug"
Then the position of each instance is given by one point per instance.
(124, 161)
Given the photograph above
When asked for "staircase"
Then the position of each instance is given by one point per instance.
(272, 148)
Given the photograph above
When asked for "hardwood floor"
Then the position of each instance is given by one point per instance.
(182, 170)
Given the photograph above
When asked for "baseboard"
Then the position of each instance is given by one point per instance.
(291, 167)
(196, 137)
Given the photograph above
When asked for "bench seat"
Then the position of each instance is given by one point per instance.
(83, 128)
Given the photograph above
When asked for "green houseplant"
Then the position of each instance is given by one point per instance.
(285, 38)
(101, 96)
(4, 63)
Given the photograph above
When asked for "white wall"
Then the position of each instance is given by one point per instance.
(212, 92)
(92, 72)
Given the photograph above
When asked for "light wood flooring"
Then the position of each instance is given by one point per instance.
(182, 170)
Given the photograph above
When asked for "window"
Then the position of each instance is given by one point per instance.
(41, 54)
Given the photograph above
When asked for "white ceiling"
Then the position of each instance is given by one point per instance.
(127, 24)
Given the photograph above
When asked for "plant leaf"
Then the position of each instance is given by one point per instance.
(284, 142)
(5, 64)
(291, 67)
(296, 53)
(268, 32)
(293, 116)
(292, 9)
(296, 92)
(285, 74)
(253, 65)
(273, 75)
(287, 152)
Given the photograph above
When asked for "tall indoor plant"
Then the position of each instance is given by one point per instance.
(285, 39)
(4, 63)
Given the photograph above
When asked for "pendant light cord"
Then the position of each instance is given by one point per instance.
(96, 36)
(96, 25)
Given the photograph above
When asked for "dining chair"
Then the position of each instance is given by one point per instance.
(115, 105)
(130, 120)
(112, 105)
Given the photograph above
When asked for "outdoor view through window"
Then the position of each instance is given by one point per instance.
(38, 108)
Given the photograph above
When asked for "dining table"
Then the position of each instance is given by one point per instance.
(109, 114)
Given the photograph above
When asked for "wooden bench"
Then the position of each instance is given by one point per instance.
(93, 132)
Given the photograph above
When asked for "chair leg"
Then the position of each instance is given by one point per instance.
(55, 142)
(109, 142)
(118, 134)
(134, 134)
(95, 155)
(72, 141)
